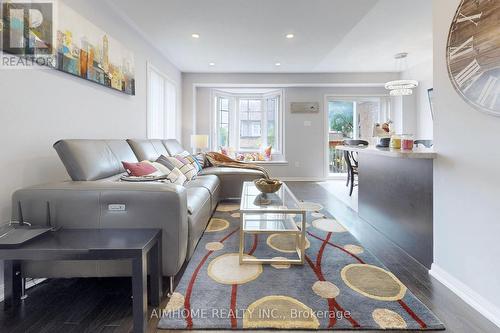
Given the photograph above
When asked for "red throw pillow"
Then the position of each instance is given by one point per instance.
(139, 169)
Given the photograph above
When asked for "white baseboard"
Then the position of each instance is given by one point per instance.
(469, 296)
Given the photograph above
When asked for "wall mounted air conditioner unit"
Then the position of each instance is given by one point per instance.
(304, 107)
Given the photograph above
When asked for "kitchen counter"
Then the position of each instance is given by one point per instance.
(415, 153)
(395, 195)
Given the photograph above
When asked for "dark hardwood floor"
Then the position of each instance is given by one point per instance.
(104, 305)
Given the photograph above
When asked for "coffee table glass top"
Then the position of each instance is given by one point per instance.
(283, 201)
(274, 213)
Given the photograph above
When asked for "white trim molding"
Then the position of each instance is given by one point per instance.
(469, 296)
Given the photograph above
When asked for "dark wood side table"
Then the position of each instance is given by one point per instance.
(137, 245)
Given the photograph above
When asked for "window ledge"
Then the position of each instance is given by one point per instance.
(268, 162)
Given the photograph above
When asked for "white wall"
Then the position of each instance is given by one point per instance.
(417, 107)
(41, 106)
(306, 149)
(466, 186)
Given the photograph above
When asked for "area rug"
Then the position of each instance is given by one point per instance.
(340, 286)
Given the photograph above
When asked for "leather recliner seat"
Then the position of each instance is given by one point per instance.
(95, 168)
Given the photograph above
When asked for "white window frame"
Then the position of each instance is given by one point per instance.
(215, 135)
(168, 128)
(235, 121)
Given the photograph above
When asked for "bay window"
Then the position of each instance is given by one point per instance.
(248, 122)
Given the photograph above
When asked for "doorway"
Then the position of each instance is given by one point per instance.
(351, 117)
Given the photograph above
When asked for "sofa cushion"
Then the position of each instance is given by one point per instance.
(232, 179)
(94, 159)
(197, 198)
(147, 149)
(173, 146)
(210, 182)
(197, 222)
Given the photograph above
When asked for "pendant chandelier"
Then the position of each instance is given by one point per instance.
(401, 87)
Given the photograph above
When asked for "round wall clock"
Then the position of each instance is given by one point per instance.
(473, 54)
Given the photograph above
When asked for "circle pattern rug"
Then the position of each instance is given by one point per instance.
(340, 286)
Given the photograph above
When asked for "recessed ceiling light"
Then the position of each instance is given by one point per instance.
(277, 64)
(195, 36)
(211, 64)
(289, 36)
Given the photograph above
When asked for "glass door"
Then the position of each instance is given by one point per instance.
(352, 118)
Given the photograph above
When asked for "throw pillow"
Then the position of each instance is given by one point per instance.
(194, 162)
(174, 175)
(201, 158)
(163, 160)
(224, 151)
(267, 152)
(182, 164)
(160, 167)
(177, 177)
(161, 173)
(140, 169)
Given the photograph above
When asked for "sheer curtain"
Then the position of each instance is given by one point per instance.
(162, 106)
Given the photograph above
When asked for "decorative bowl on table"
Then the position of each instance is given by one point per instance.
(268, 185)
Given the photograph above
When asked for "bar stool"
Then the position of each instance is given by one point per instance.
(351, 159)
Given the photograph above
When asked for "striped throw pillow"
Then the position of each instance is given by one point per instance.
(183, 165)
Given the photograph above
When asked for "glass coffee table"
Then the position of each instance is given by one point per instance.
(275, 213)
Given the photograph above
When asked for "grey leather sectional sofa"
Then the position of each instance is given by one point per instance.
(96, 198)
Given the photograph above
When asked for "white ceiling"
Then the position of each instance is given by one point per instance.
(249, 35)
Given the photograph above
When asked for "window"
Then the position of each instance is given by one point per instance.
(162, 106)
(224, 122)
(272, 110)
(248, 122)
(341, 118)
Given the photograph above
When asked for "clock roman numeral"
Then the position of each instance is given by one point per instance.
(467, 76)
(470, 18)
(490, 92)
(465, 48)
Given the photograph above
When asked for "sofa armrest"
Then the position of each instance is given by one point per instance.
(98, 204)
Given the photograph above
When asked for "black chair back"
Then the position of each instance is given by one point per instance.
(350, 160)
(352, 142)
(425, 143)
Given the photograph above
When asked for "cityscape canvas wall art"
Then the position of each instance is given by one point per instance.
(84, 50)
(52, 35)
